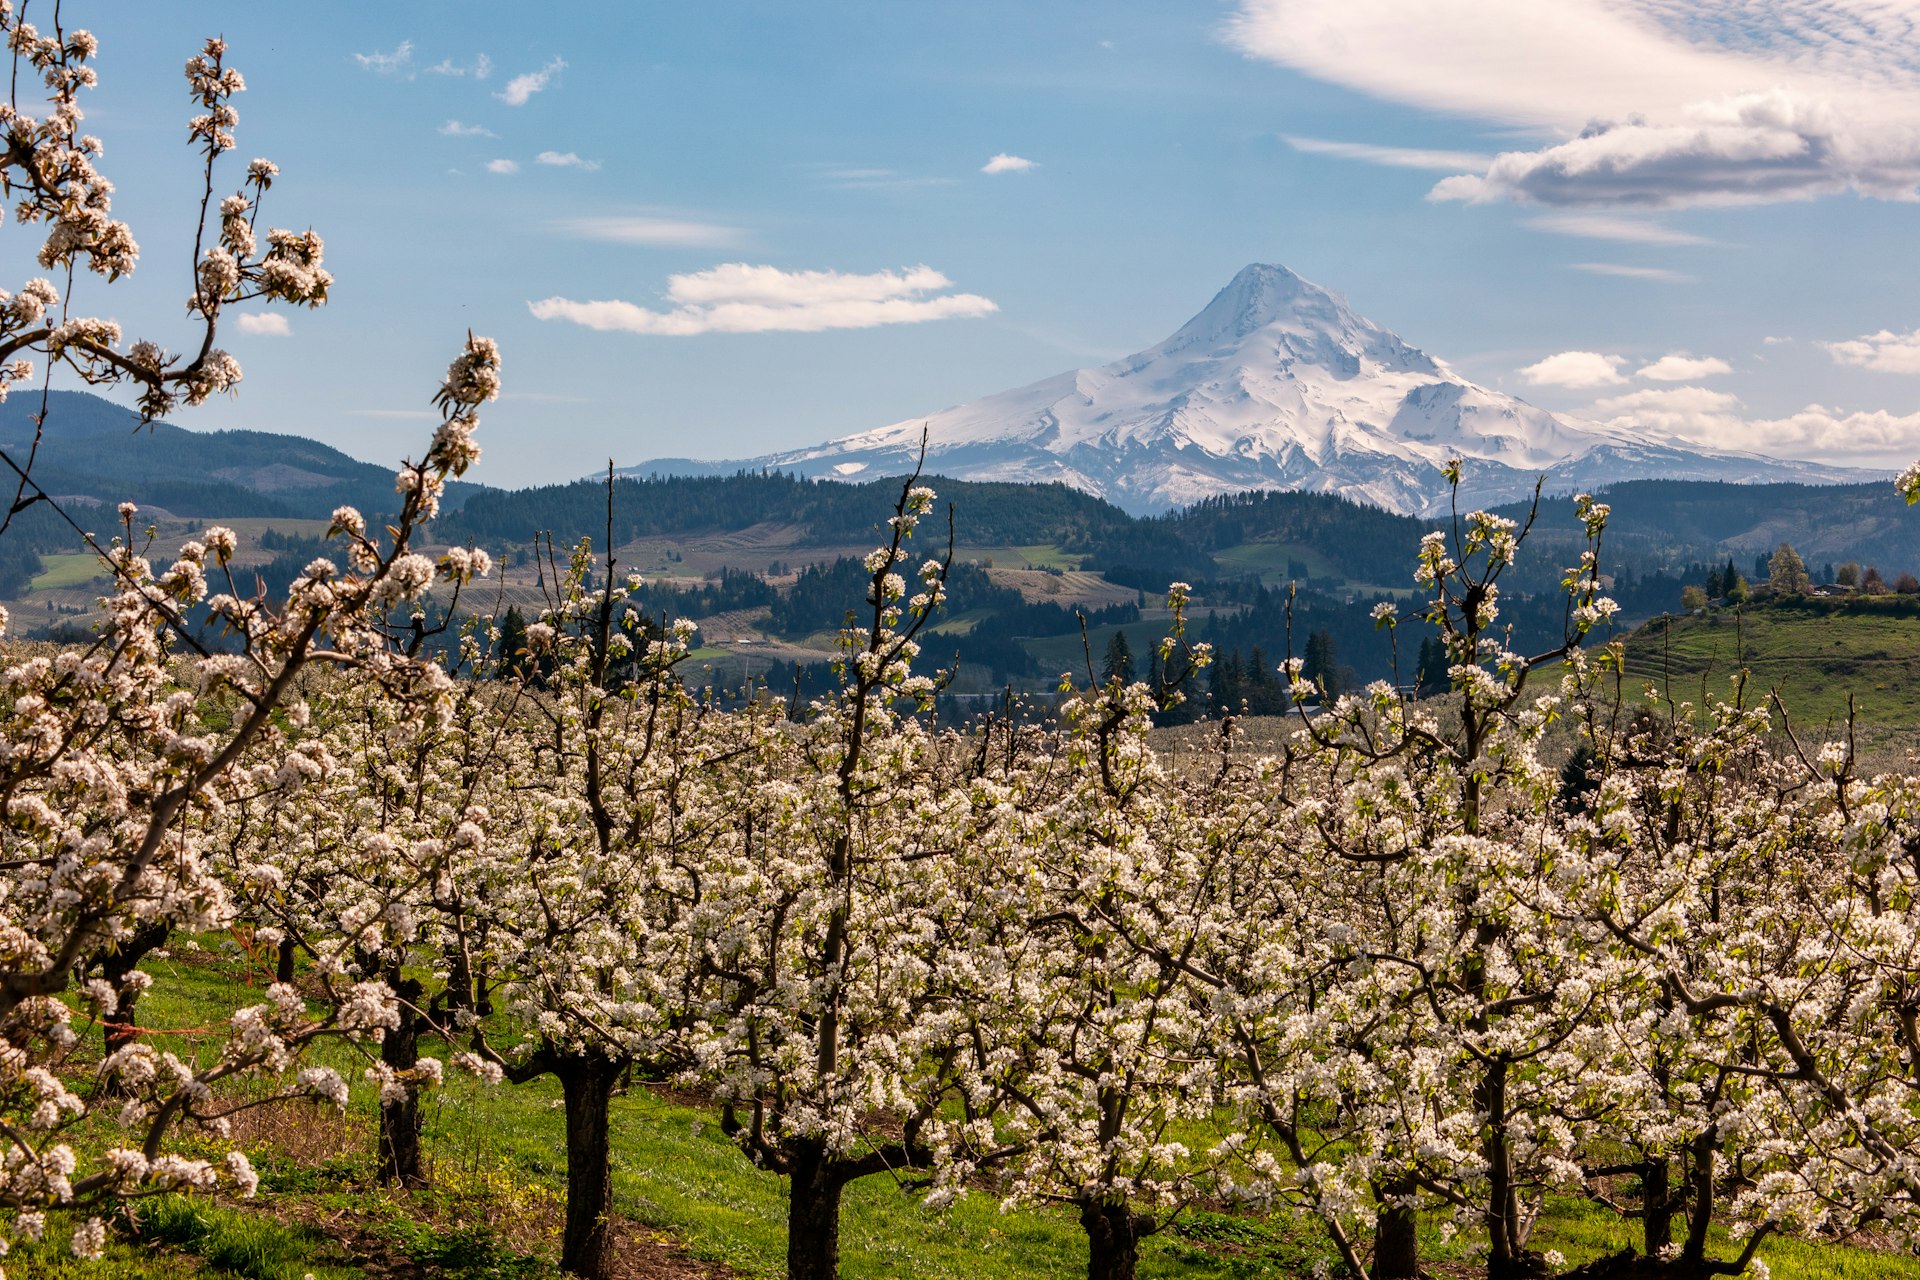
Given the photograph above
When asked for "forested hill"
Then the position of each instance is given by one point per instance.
(986, 514)
(1864, 522)
(93, 448)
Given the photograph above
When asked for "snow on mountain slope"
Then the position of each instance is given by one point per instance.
(1277, 384)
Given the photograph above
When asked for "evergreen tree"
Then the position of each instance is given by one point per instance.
(510, 655)
(1322, 665)
(1119, 661)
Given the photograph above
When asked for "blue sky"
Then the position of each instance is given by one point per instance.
(1744, 205)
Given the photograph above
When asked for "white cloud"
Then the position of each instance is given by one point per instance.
(1883, 352)
(1612, 226)
(1631, 273)
(399, 62)
(266, 324)
(565, 160)
(479, 69)
(1683, 368)
(1392, 157)
(1004, 163)
(1575, 369)
(454, 129)
(739, 298)
(503, 166)
(1647, 103)
(1714, 418)
(522, 87)
(1775, 342)
(643, 230)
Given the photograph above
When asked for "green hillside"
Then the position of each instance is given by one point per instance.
(93, 448)
(1814, 652)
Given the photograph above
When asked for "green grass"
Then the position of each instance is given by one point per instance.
(1272, 561)
(497, 1163)
(60, 572)
(1815, 659)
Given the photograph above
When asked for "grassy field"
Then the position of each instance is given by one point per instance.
(60, 572)
(683, 1194)
(1815, 660)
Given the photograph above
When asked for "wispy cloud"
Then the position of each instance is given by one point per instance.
(873, 177)
(522, 87)
(399, 62)
(1773, 341)
(1682, 368)
(739, 298)
(454, 129)
(565, 160)
(1717, 418)
(480, 68)
(646, 230)
(1632, 273)
(1883, 352)
(403, 415)
(1575, 370)
(265, 324)
(1613, 226)
(1650, 103)
(503, 166)
(1391, 157)
(1004, 163)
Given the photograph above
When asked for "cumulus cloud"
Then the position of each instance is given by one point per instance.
(1391, 157)
(646, 230)
(565, 160)
(399, 62)
(1715, 418)
(1883, 352)
(522, 87)
(1682, 368)
(503, 166)
(738, 298)
(480, 68)
(1612, 226)
(1632, 273)
(454, 129)
(1648, 103)
(1575, 370)
(265, 324)
(1004, 163)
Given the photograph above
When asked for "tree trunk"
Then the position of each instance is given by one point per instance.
(400, 1118)
(1656, 1206)
(123, 1028)
(813, 1214)
(283, 966)
(1396, 1235)
(586, 1249)
(1113, 1238)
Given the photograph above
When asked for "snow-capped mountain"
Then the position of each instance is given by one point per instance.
(1277, 384)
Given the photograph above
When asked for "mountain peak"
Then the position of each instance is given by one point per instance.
(1263, 294)
(1276, 383)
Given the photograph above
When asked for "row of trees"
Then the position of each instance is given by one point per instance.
(1401, 967)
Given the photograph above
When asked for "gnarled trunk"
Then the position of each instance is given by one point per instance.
(123, 1028)
(813, 1213)
(586, 1084)
(1396, 1235)
(1113, 1238)
(400, 1118)
(283, 962)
